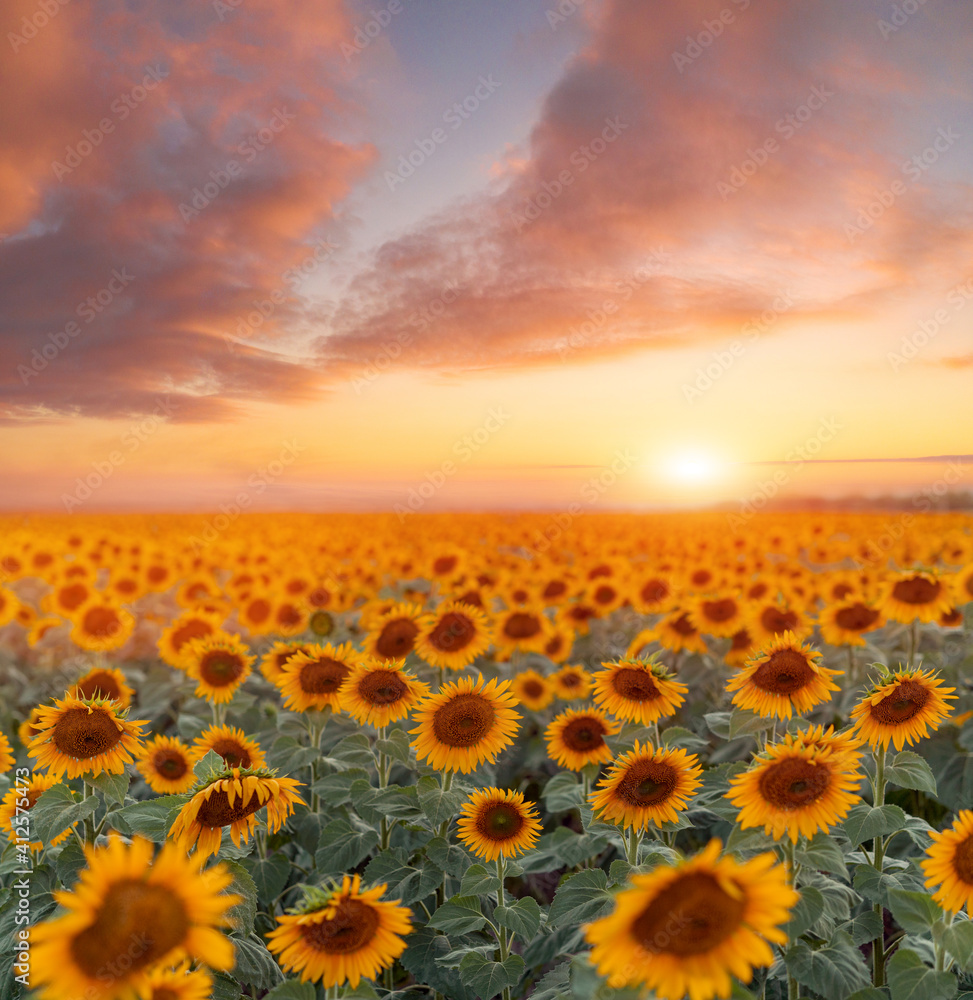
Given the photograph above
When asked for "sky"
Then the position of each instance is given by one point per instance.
(478, 254)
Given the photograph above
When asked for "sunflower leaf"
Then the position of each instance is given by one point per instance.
(209, 764)
(831, 971)
(523, 918)
(225, 988)
(396, 746)
(353, 751)
(958, 939)
(746, 723)
(255, 966)
(580, 898)
(488, 978)
(438, 804)
(806, 914)
(875, 886)
(269, 875)
(245, 912)
(562, 792)
(292, 989)
(865, 927)
(915, 912)
(393, 802)
(823, 854)
(149, 818)
(677, 736)
(405, 882)
(479, 881)
(458, 915)
(343, 846)
(911, 979)
(112, 786)
(69, 862)
(865, 822)
(909, 770)
(56, 810)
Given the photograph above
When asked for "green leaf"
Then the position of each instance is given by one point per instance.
(562, 792)
(563, 849)
(958, 940)
(438, 805)
(806, 914)
(523, 918)
(915, 912)
(423, 957)
(343, 846)
(210, 763)
(113, 786)
(335, 789)
(56, 810)
(864, 822)
(746, 723)
(875, 886)
(149, 818)
(865, 927)
(394, 802)
(245, 912)
(396, 746)
(832, 971)
(406, 882)
(822, 853)
(225, 988)
(447, 857)
(458, 915)
(479, 881)
(487, 978)
(869, 993)
(292, 989)
(353, 751)
(677, 736)
(909, 770)
(911, 979)
(719, 724)
(255, 966)
(580, 898)
(69, 862)
(556, 985)
(269, 875)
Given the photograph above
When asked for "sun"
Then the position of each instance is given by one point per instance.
(689, 467)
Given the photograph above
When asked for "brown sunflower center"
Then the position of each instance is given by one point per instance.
(396, 638)
(654, 591)
(776, 620)
(319, 597)
(464, 720)
(382, 687)
(720, 611)
(521, 625)
(452, 632)
(321, 623)
(682, 625)
(351, 928)
(82, 735)
(220, 667)
(555, 588)
(288, 615)
(570, 680)
(905, 702)
(101, 622)
(98, 684)
(170, 764)
(741, 640)
(194, 629)
(647, 782)
(635, 685)
(584, 734)
(916, 590)
(533, 688)
(604, 594)
(963, 861)
(783, 672)
(794, 783)
(136, 925)
(259, 610)
(444, 564)
(499, 821)
(692, 915)
(162, 993)
(234, 753)
(217, 811)
(73, 596)
(841, 590)
(856, 617)
(323, 676)
(701, 577)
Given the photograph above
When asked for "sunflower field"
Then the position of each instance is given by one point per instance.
(450, 757)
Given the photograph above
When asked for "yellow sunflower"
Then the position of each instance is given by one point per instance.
(949, 864)
(18, 802)
(104, 682)
(677, 632)
(497, 821)
(647, 785)
(7, 758)
(166, 763)
(686, 928)
(80, 736)
(378, 692)
(100, 625)
(232, 744)
(718, 614)
(532, 690)
(466, 723)
(846, 622)
(902, 708)
(912, 595)
(453, 636)
(272, 662)
(219, 664)
(315, 678)
(639, 690)
(793, 789)
(195, 624)
(638, 648)
(179, 983)
(963, 585)
(559, 643)
(30, 727)
(393, 634)
(576, 738)
(742, 647)
(128, 915)
(572, 682)
(770, 619)
(232, 798)
(782, 679)
(341, 934)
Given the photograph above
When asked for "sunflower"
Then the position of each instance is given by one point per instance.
(289, 617)
(524, 629)
(949, 864)
(559, 643)
(572, 683)
(232, 798)
(902, 708)
(321, 622)
(84, 736)
(232, 744)
(845, 622)
(20, 800)
(639, 690)
(67, 596)
(951, 619)
(466, 723)
(7, 758)
(676, 632)
(795, 790)
(915, 595)
(104, 682)
(453, 636)
(652, 593)
(272, 662)
(576, 738)
(9, 605)
(100, 625)
(40, 627)
(963, 585)
(742, 647)
(497, 821)
(378, 692)
(718, 614)
(771, 619)
(128, 915)
(647, 785)
(166, 763)
(341, 935)
(179, 983)
(30, 727)
(196, 624)
(685, 928)
(638, 648)
(219, 664)
(782, 679)
(532, 690)
(256, 613)
(392, 635)
(840, 744)
(314, 679)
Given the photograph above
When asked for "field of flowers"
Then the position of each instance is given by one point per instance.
(471, 756)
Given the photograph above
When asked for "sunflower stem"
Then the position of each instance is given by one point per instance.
(634, 839)
(851, 665)
(383, 780)
(502, 936)
(792, 988)
(878, 860)
(913, 641)
(89, 824)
